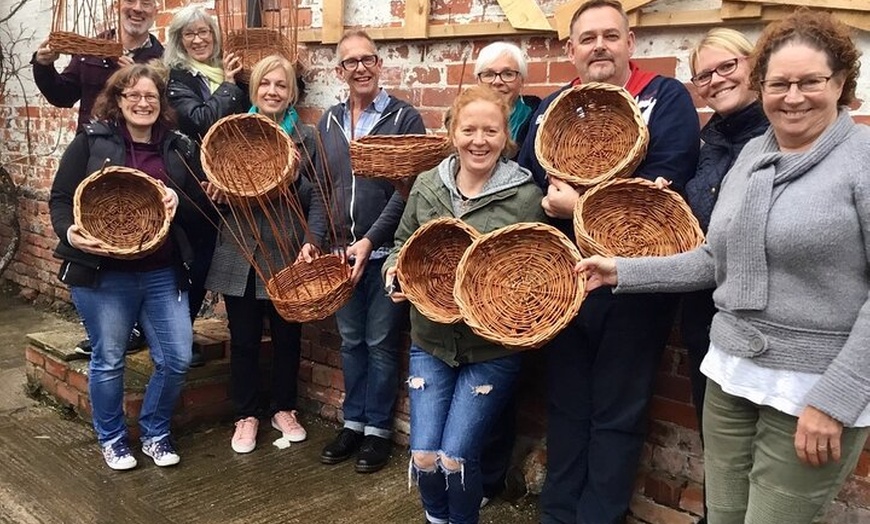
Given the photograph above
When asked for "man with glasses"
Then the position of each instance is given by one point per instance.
(84, 77)
(602, 367)
(364, 214)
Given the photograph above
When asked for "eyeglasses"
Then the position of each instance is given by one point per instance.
(778, 86)
(145, 4)
(724, 69)
(351, 64)
(137, 97)
(190, 36)
(507, 76)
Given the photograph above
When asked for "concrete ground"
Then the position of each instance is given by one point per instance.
(51, 471)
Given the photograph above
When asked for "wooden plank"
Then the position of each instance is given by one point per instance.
(857, 19)
(416, 18)
(732, 10)
(849, 5)
(333, 21)
(525, 14)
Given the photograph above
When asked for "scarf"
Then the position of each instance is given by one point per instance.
(747, 260)
(637, 79)
(288, 123)
(519, 115)
(214, 75)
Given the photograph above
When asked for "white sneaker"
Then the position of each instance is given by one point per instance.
(162, 451)
(286, 423)
(118, 455)
(245, 436)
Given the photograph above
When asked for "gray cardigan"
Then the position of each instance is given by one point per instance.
(814, 313)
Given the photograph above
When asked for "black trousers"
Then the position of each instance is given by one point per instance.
(245, 315)
(695, 320)
(600, 374)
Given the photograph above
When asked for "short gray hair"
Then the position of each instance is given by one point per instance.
(494, 51)
(175, 56)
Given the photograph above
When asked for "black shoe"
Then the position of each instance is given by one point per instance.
(374, 453)
(196, 359)
(136, 340)
(84, 348)
(342, 447)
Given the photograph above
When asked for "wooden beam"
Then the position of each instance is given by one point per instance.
(857, 19)
(333, 21)
(416, 19)
(849, 5)
(525, 14)
(731, 10)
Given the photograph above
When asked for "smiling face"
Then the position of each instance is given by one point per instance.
(198, 41)
(510, 91)
(479, 136)
(362, 79)
(137, 16)
(142, 114)
(601, 45)
(724, 94)
(273, 93)
(799, 118)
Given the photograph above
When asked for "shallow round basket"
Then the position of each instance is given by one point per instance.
(122, 208)
(305, 292)
(253, 44)
(248, 156)
(516, 286)
(633, 218)
(397, 156)
(426, 267)
(73, 44)
(591, 133)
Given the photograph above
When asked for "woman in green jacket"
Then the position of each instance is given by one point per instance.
(450, 415)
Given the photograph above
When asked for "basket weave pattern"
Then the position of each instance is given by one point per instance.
(426, 267)
(633, 218)
(123, 208)
(73, 44)
(305, 292)
(248, 156)
(397, 156)
(516, 286)
(591, 133)
(251, 45)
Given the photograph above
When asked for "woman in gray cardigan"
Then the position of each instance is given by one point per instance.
(788, 248)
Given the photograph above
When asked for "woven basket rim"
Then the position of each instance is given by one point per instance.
(397, 156)
(636, 152)
(307, 310)
(596, 247)
(424, 306)
(108, 249)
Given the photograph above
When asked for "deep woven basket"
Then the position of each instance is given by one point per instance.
(591, 133)
(253, 44)
(73, 44)
(516, 286)
(397, 156)
(305, 292)
(426, 267)
(248, 156)
(633, 218)
(122, 208)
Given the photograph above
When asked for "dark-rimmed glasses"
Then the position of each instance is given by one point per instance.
(350, 64)
(778, 86)
(507, 76)
(137, 97)
(190, 36)
(724, 69)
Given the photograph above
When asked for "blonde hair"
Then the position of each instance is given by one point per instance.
(721, 38)
(266, 66)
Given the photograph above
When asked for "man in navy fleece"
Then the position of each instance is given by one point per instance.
(602, 367)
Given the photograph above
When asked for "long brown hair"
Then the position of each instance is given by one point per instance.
(107, 107)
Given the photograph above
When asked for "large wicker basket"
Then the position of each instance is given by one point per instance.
(516, 286)
(305, 292)
(397, 156)
(73, 44)
(426, 267)
(251, 45)
(248, 156)
(633, 218)
(123, 209)
(591, 133)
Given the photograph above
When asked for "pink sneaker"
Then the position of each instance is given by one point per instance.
(286, 423)
(245, 436)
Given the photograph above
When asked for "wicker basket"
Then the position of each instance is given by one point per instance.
(591, 133)
(633, 218)
(73, 44)
(426, 267)
(248, 156)
(254, 44)
(123, 209)
(305, 292)
(516, 286)
(397, 156)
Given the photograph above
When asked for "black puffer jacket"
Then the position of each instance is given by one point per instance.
(197, 108)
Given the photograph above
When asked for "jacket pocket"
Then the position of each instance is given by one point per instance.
(78, 275)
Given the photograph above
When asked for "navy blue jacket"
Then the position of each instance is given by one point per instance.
(724, 138)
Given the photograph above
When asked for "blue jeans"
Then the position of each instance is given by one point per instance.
(109, 311)
(369, 327)
(452, 410)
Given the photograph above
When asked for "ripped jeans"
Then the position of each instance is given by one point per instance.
(452, 409)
